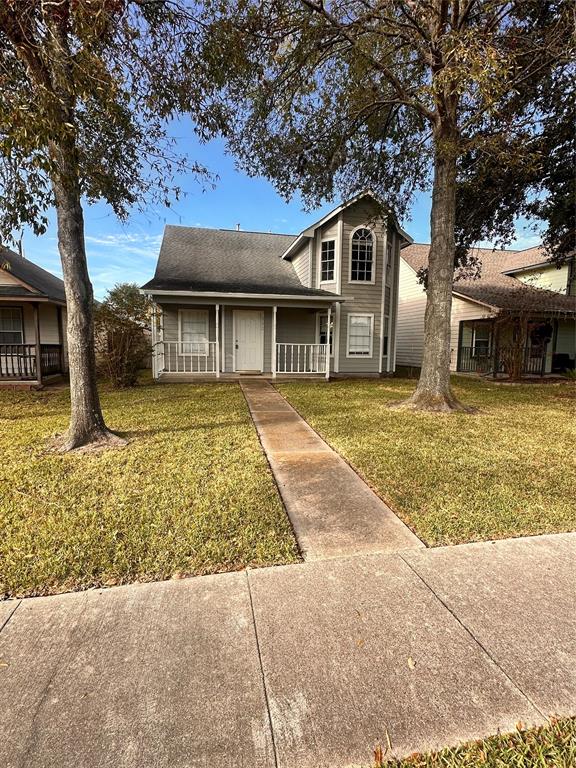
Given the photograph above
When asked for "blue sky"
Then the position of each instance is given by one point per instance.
(120, 252)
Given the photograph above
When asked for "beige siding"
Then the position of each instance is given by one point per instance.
(551, 278)
(49, 324)
(411, 311)
(7, 279)
(301, 263)
(463, 310)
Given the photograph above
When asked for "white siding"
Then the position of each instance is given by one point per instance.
(462, 309)
(548, 277)
(411, 310)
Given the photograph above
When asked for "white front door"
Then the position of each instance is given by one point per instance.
(249, 340)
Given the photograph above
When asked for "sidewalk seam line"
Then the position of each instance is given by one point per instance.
(475, 639)
(262, 675)
(9, 617)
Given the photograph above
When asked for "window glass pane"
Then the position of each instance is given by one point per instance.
(481, 339)
(324, 330)
(327, 261)
(362, 255)
(385, 345)
(388, 261)
(194, 332)
(11, 325)
(359, 335)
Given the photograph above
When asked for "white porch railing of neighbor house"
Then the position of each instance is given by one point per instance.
(301, 358)
(185, 357)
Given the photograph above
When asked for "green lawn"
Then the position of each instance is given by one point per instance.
(190, 494)
(508, 470)
(552, 746)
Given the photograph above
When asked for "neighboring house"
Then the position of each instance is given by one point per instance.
(32, 323)
(320, 303)
(511, 283)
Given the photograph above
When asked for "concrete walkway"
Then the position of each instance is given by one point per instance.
(332, 510)
(302, 666)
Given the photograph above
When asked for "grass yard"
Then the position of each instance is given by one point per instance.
(190, 494)
(552, 746)
(509, 470)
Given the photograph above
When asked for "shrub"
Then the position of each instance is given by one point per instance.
(122, 334)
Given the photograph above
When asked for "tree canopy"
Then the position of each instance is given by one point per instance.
(331, 98)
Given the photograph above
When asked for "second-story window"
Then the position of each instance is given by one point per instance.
(327, 261)
(362, 257)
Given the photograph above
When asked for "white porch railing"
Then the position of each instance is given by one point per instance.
(301, 358)
(184, 357)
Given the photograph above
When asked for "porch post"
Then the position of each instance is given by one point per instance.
(61, 338)
(223, 344)
(38, 353)
(328, 341)
(154, 329)
(274, 361)
(496, 342)
(217, 361)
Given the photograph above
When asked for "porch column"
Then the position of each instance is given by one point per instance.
(154, 329)
(328, 341)
(496, 342)
(223, 344)
(61, 338)
(217, 361)
(35, 307)
(274, 362)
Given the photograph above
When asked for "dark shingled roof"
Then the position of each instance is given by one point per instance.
(497, 289)
(226, 261)
(46, 284)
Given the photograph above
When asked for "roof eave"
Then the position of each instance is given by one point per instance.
(237, 295)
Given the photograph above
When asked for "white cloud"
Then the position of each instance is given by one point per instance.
(146, 246)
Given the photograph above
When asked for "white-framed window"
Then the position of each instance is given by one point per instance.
(193, 331)
(323, 336)
(11, 328)
(360, 335)
(362, 262)
(385, 336)
(327, 260)
(481, 339)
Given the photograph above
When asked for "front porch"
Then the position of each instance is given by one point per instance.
(229, 341)
(32, 346)
(484, 349)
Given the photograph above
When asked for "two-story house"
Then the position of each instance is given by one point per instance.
(521, 284)
(321, 303)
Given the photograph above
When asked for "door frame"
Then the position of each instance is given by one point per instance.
(254, 311)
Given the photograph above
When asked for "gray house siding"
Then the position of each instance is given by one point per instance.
(301, 263)
(362, 298)
(293, 326)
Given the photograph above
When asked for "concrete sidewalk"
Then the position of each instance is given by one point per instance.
(302, 666)
(332, 510)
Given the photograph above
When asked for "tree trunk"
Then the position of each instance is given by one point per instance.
(87, 427)
(433, 392)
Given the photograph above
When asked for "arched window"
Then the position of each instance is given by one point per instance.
(362, 257)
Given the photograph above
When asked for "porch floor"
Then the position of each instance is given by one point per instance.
(235, 377)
